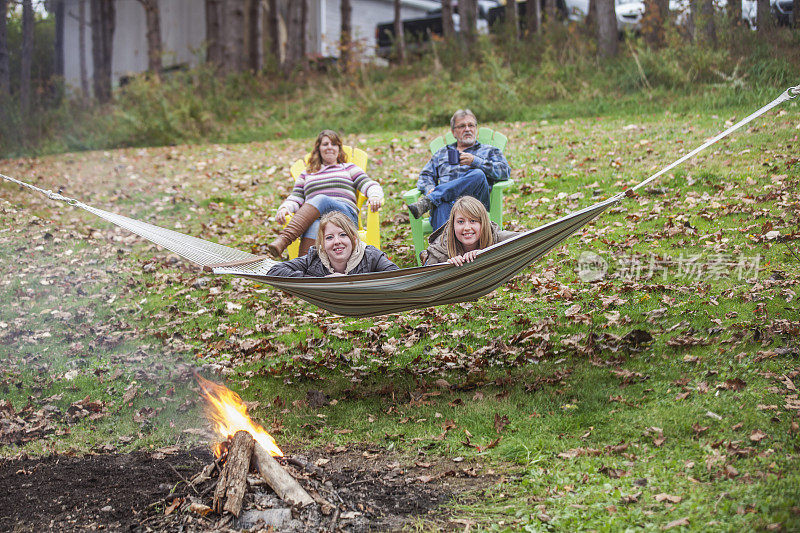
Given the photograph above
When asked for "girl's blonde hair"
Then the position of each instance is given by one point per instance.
(474, 209)
(315, 161)
(339, 219)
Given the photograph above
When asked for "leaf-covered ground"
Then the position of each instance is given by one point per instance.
(642, 375)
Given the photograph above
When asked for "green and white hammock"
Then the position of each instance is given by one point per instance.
(399, 290)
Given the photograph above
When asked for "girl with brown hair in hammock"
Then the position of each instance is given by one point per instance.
(328, 184)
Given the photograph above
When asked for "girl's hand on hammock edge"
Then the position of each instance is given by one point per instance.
(280, 216)
(375, 203)
(461, 259)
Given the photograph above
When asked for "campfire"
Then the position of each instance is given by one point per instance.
(243, 445)
(252, 485)
(228, 413)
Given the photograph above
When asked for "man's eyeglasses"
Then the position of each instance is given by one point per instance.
(471, 126)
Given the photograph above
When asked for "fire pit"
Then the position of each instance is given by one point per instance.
(351, 488)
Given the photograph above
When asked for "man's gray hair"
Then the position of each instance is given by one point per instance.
(461, 113)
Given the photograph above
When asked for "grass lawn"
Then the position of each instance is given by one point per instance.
(661, 395)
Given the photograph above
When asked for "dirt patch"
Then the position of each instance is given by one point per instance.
(369, 488)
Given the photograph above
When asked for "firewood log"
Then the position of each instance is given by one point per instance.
(232, 482)
(284, 485)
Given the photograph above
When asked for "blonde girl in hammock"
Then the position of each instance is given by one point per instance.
(337, 252)
(466, 231)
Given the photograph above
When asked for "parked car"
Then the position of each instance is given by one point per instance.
(782, 11)
(418, 31)
(498, 14)
(630, 12)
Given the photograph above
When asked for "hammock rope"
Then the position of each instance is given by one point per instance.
(399, 290)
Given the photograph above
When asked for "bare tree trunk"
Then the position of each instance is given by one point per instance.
(213, 32)
(663, 10)
(232, 36)
(153, 21)
(468, 14)
(82, 52)
(60, 11)
(345, 35)
(447, 20)
(653, 23)
(511, 18)
(303, 28)
(294, 34)
(273, 27)
(5, 75)
(763, 18)
(103, 20)
(533, 16)
(606, 29)
(256, 34)
(399, 37)
(735, 12)
(691, 19)
(26, 60)
(550, 11)
(707, 20)
(591, 17)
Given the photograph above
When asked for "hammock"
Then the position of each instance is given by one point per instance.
(398, 290)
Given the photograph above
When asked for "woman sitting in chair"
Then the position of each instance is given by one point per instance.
(338, 252)
(328, 184)
(466, 231)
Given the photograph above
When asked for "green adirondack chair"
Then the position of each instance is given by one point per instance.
(421, 227)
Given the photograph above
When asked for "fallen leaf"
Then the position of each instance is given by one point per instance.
(200, 509)
(442, 383)
(676, 523)
(631, 498)
(171, 507)
(730, 472)
(130, 393)
(667, 497)
(500, 422)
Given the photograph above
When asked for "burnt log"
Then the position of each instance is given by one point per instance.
(232, 483)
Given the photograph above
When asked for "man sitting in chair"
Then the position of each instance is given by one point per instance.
(464, 168)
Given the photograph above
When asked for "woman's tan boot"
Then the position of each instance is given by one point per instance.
(300, 222)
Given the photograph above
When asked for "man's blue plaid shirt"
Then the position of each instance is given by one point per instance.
(488, 158)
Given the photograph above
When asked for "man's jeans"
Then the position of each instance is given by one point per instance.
(326, 204)
(472, 183)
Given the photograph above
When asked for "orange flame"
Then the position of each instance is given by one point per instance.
(228, 414)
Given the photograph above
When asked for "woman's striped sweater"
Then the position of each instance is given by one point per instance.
(340, 181)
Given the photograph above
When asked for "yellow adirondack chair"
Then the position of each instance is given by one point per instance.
(369, 233)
